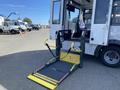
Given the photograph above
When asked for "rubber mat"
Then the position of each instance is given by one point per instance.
(57, 70)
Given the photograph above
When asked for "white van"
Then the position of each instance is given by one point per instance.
(9, 27)
(22, 25)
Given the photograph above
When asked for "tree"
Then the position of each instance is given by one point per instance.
(28, 20)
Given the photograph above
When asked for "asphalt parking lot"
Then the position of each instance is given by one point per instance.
(20, 55)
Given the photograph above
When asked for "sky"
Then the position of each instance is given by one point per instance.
(37, 10)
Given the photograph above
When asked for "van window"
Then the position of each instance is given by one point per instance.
(5, 24)
(16, 23)
(101, 12)
(56, 12)
(116, 13)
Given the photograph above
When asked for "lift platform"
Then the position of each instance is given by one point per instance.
(52, 74)
(65, 62)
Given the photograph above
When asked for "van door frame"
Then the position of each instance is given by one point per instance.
(100, 32)
(56, 27)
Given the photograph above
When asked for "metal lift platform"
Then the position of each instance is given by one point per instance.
(52, 74)
(55, 71)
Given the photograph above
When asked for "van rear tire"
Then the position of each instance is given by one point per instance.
(110, 56)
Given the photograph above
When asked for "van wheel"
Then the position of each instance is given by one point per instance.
(110, 56)
(1, 31)
(13, 32)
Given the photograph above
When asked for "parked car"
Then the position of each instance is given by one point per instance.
(39, 26)
(35, 27)
(21, 25)
(28, 26)
(9, 27)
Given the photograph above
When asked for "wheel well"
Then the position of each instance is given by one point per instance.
(100, 48)
(12, 30)
(1, 30)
